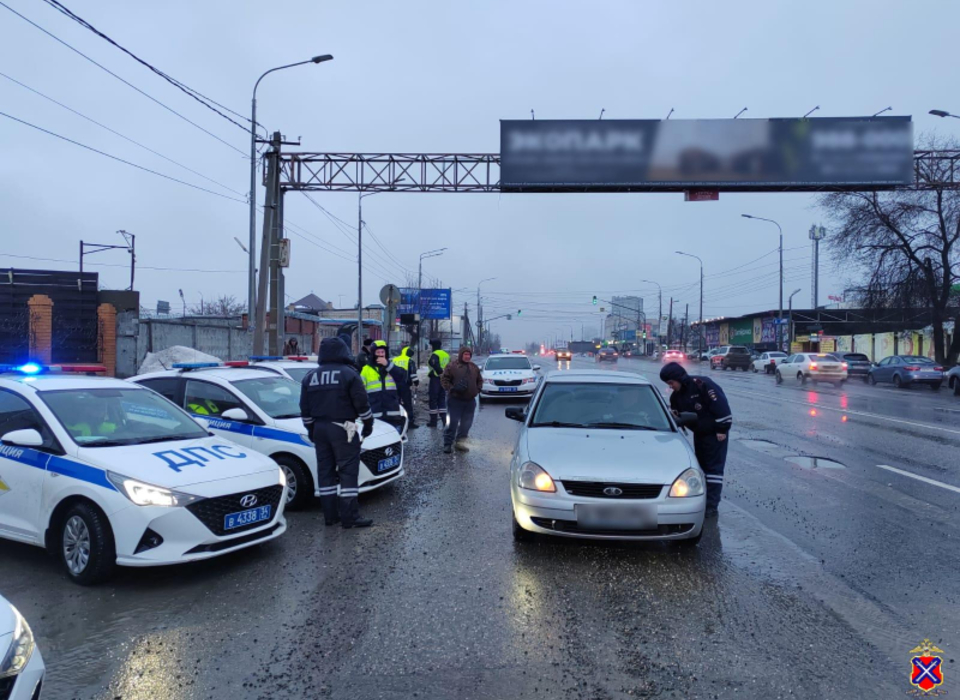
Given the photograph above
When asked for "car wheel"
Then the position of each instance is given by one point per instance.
(872, 379)
(519, 534)
(801, 379)
(755, 370)
(779, 378)
(866, 378)
(712, 366)
(299, 482)
(956, 387)
(897, 382)
(690, 542)
(85, 545)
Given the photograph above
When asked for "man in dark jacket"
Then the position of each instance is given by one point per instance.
(462, 381)
(383, 381)
(701, 395)
(332, 399)
(438, 398)
(364, 355)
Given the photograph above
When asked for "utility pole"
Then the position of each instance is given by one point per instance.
(817, 233)
(683, 328)
(269, 282)
(670, 325)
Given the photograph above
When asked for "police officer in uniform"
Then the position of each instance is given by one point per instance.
(439, 359)
(702, 395)
(333, 398)
(382, 379)
(406, 362)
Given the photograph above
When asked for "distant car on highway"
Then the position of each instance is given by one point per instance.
(731, 357)
(674, 356)
(904, 370)
(814, 367)
(646, 486)
(953, 380)
(509, 376)
(858, 364)
(564, 355)
(707, 354)
(768, 361)
(607, 355)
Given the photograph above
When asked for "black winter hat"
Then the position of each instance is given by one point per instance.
(673, 371)
(436, 343)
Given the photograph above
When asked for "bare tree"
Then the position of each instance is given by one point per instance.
(905, 242)
(224, 305)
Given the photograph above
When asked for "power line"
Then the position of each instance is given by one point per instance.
(117, 133)
(121, 160)
(199, 97)
(123, 265)
(125, 82)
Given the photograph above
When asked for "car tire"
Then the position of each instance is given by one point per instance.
(871, 379)
(85, 545)
(956, 387)
(712, 366)
(755, 370)
(779, 378)
(690, 542)
(519, 534)
(866, 379)
(897, 382)
(299, 481)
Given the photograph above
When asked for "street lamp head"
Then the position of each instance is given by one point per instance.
(939, 113)
(321, 59)
(746, 216)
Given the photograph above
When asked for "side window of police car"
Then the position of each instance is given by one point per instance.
(165, 386)
(205, 399)
(17, 414)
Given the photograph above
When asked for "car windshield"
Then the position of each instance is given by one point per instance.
(111, 417)
(520, 362)
(600, 405)
(278, 397)
(776, 354)
(298, 373)
(917, 360)
(856, 357)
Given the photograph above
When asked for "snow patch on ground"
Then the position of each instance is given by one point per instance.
(159, 361)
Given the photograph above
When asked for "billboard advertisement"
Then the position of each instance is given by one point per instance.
(429, 303)
(724, 154)
(741, 332)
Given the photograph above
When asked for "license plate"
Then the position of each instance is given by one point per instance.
(508, 388)
(232, 521)
(640, 516)
(388, 463)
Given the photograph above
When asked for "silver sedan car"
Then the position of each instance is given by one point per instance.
(599, 456)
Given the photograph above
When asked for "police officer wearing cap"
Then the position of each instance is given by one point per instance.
(332, 399)
(703, 396)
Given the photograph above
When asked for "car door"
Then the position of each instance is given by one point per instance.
(208, 402)
(22, 469)
(882, 372)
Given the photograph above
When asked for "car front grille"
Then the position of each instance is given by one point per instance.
(211, 511)
(371, 458)
(573, 526)
(594, 489)
(507, 382)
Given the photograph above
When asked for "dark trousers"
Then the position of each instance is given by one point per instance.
(712, 455)
(460, 413)
(337, 461)
(406, 400)
(438, 400)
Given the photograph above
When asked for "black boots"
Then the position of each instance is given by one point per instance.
(359, 522)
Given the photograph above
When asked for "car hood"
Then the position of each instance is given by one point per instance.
(380, 429)
(7, 621)
(179, 463)
(507, 374)
(645, 457)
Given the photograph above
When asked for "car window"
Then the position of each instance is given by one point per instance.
(16, 413)
(509, 362)
(165, 386)
(278, 397)
(895, 361)
(918, 359)
(856, 357)
(615, 406)
(110, 417)
(298, 373)
(206, 399)
(777, 354)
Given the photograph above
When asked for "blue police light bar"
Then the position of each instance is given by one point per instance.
(29, 368)
(261, 358)
(194, 365)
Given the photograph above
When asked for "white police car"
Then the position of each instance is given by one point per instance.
(509, 376)
(102, 472)
(293, 367)
(260, 410)
(21, 665)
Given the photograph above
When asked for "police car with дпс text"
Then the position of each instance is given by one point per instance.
(260, 410)
(103, 472)
(510, 376)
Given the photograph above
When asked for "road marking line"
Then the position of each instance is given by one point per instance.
(932, 482)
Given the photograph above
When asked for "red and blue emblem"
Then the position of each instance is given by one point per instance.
(926, 670)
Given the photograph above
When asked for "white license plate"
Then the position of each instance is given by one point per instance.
(620, 516)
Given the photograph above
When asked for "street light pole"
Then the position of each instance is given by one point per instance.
(252, 271)
(942, 113)
(700, 326)
(790, 315)
(780, 322)
(423, 256)
(480, 314)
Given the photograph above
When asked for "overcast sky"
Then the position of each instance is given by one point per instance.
(436, 77)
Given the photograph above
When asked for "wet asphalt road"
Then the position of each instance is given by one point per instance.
(815, 582)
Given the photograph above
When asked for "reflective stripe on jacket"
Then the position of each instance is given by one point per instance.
(443, 359)
(381, 390)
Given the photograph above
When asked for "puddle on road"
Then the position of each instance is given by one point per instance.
(814, 462)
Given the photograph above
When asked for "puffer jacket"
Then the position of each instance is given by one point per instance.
(457, 370)
(334, 391)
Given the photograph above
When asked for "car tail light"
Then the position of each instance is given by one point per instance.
(938, 369)
(843, 365)
(912, 368)
(813, 365)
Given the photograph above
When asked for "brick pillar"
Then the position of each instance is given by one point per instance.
(41, 327)
(107, 338)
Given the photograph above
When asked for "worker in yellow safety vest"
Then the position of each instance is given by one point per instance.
(406, 362)
(439, 359)
(381, 378)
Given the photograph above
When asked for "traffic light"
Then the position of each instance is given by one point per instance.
(594, 299)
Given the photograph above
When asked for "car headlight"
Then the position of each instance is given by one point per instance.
(533, 477)
(530, 380)
(21, 648)
(149, 495)
(688, 484)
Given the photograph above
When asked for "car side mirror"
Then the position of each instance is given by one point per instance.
(23, 438)
(687, 419)
(237, 414)
(536, 368)
(517, 414)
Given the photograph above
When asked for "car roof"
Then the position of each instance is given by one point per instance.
(227, 374)
(506, 354)
(57, 382)
(284, 363)
(598, 376)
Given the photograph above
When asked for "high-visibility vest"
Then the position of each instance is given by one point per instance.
(86, 430)
(403, 360)
(203, 407)
(444, 360)
(373, 382)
